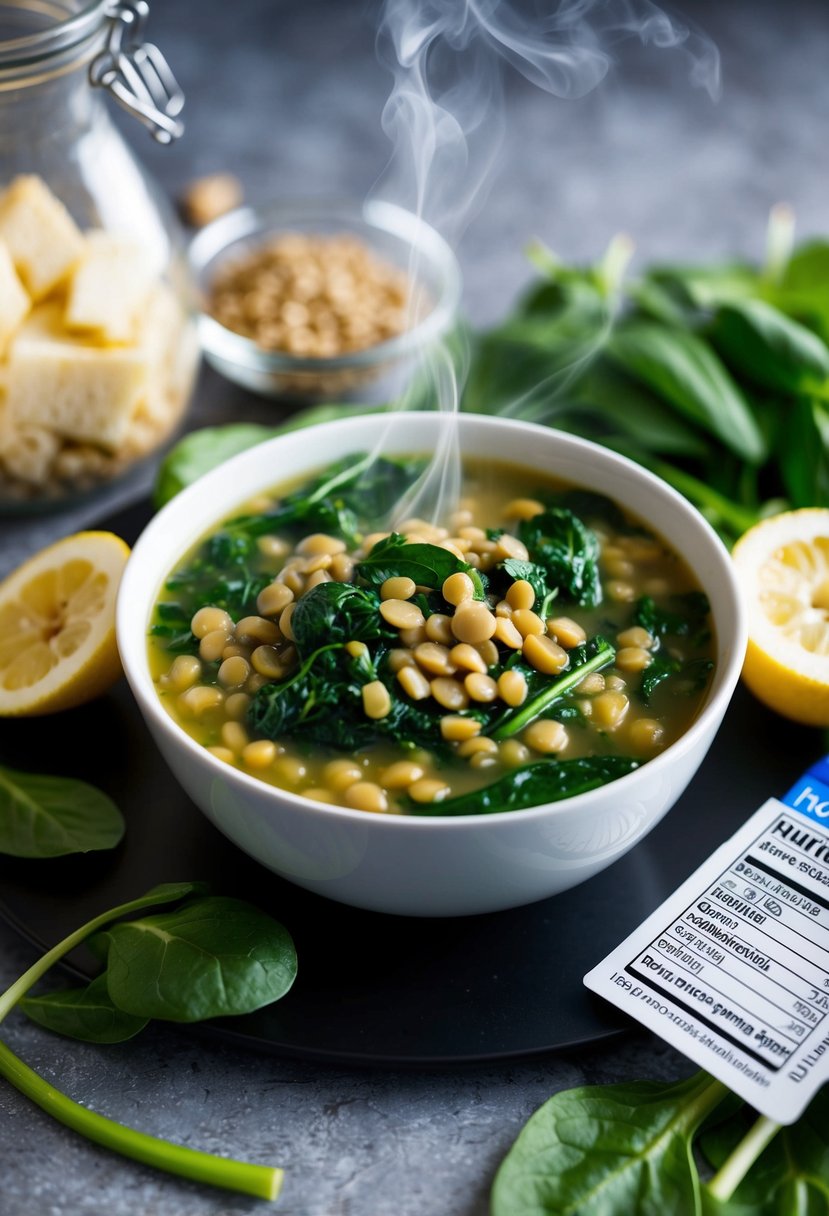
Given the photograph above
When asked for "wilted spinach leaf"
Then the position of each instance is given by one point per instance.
(427, 565)
(568, 551)
(544, 781)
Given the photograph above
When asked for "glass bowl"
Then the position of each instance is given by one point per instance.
(378, 372)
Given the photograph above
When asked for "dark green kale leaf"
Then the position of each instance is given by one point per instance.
(568, 551)
(544, 781)
(428, 565)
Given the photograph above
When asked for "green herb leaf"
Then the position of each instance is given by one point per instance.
(52, 816)
(83, 1013)
(614, 1150)
(680, 367)
(211, 958)
(532, 785)
(428, 565)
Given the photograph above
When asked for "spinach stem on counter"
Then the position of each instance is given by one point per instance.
(261, 1181)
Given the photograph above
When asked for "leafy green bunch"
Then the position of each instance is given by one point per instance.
(715, 377)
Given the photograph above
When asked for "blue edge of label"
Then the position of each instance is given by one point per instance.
(810, 795)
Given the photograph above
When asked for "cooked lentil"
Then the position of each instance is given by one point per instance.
(455, 656)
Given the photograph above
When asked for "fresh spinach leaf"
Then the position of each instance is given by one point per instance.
(84, 1013)
(611, 1150)
(251, 951)
(213, 957)
(202, 450)
(568, 551)
(532, 785)
(770, 349)
(791, 1176)
(428, 565)
(44, 816)
(804, 454)
(679, 366)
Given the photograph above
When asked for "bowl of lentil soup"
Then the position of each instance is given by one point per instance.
(319, 720)
(322, 300)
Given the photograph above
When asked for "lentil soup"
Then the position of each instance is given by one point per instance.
(538, 643)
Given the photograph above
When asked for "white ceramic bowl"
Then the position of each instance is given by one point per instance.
(430, 866)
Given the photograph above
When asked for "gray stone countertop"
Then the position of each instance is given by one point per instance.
(288, 96)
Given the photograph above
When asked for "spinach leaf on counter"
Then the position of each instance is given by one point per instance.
(44, 816)
(208, 957)
(611, 1150)
(532, 785)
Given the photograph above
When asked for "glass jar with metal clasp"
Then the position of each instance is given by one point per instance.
(97, 341)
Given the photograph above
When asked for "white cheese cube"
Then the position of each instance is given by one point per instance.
(41, 236)
(109, 288)
(29, 452)
(79, 390)
(14, 300)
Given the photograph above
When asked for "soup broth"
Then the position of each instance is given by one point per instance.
(538, 642)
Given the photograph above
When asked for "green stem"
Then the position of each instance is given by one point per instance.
(554, 692)
(731, 1173)
(263, 1181)
(20, 987)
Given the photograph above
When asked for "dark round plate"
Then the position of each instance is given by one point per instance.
(374, 988)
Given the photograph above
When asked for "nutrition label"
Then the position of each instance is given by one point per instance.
(733, 969)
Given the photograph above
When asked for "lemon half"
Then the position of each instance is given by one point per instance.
(783, 567)
(57, 625)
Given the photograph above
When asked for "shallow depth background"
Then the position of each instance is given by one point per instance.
(288, 97)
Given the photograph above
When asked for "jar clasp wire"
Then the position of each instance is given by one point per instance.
(137, 74)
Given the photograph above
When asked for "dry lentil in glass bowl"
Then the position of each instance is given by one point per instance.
(316, 300)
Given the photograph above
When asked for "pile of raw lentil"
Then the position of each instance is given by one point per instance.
(446, 658)
(311, 296)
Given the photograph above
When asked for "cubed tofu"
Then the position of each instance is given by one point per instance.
(109, 288)
(40, 234)
(70, 386)
(14, 299)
